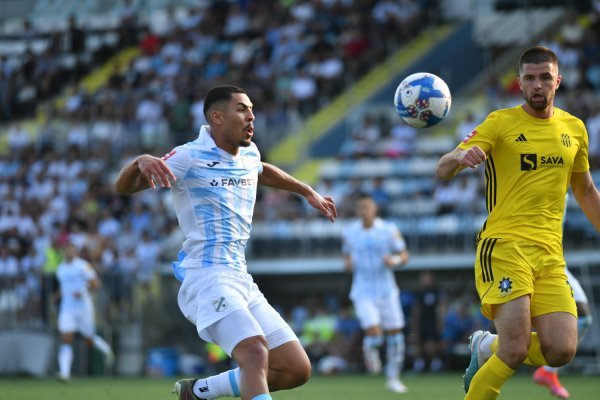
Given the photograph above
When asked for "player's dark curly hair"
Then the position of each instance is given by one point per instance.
(537, 55)
(218, 94)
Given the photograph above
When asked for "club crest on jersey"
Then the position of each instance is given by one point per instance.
(219, 304)
(505, 286)
(565, 139)
(469, 136)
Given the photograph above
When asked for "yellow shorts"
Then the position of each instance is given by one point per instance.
(508, 269)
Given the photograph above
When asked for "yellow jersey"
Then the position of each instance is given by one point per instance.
(528, 172)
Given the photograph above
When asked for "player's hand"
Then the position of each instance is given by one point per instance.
(155, 171)
(471, 157)
(323, 204)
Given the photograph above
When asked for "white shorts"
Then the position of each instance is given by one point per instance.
(383, 311)
(77, 319)
(578, 293)
(227, 307)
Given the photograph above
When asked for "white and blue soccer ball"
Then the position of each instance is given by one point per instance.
(422, 100)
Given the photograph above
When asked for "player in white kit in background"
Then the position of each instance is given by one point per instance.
(213, 181)
(77, 279)
(371, 249)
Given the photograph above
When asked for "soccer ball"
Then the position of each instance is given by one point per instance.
(422, 100)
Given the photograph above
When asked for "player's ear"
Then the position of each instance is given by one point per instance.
(216, 117)
(558, 80)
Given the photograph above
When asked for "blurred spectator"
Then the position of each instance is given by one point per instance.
(401, 140)
(426, 323)
(458, 326)
(363, 139)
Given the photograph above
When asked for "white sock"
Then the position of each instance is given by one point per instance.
(65, 359)
(225, 384)
(101, 345)
(485, 346)
(394, 355)
(371, 345)
(550, 369)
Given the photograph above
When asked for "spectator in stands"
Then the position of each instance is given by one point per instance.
(458, 325)
(401, 140)
(228, 135)
(363, 139)
(75, 37)
(372, 248)
(380, 195)
(527, 286)
(427, 315)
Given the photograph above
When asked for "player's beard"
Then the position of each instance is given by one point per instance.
(245, 142)
(539, 104)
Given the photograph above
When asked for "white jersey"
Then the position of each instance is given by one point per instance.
(367, 247)
(214, 198)
(74, 278)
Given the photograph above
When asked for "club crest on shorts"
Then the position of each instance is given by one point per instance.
(220, 304)
(505, 286)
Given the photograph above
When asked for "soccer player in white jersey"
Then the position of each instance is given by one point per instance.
(548, 376)
(371, 249)
(76, 279)
(213, 181)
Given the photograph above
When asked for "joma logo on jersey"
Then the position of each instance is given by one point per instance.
(243, 182)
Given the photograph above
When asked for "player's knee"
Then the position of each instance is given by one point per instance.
(300, 372)
(557, 356)
(252, 352)
(514, 354)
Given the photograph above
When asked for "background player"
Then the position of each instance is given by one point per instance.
(214, 180)
(532, 153)
(77, 278)
(371, 249)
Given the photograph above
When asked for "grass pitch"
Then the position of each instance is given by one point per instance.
(422, 387)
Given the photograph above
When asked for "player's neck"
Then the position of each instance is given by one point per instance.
(368, 223)
(546, 113)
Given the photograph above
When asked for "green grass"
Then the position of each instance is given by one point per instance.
(424, 387)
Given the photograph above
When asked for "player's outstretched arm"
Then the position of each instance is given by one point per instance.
(144, 172)
(455, 161)
(277, 178)
(587, 196)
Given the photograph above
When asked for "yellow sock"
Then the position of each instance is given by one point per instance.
(535, 357)
(489, 379)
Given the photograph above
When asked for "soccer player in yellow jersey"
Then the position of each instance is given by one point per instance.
(531, 153)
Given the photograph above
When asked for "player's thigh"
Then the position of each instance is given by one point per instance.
(275, 328)
(367, 313)
(392, 317)
(86, 322)
(503, 272)
(67, 321)
(232, 329)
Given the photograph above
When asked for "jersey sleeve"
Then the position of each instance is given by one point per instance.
(90, 273)
(581, 162)
(483, 136)
(178, 161)
(346, 243)
(398, 243)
